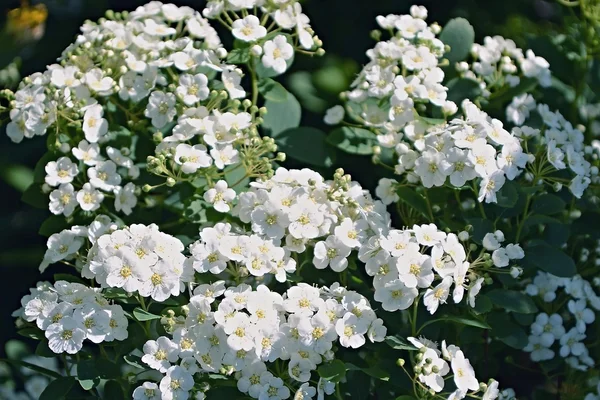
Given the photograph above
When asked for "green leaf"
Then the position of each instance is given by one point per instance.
(143, 315)
(405, 397)
(413, 199)
(399, 343)
(97, 368)
(508, 195)
(512, 300)
(34, 196)
(333, 371)
(113, 391)
(239, 56)
(480, 228)
(460, 36)
(134, 361)
(551, 259)
(58, 389)
(281, 115)
(353, 140)
(68, 278)
(526, 85)
(15, 349)
(43, 350)
(32, 333)
(272, 90)
(483, 304)
(548, 204)
(507, 331)
(33, 367)
(459, 320)
(373, 371)
(306, 145)
(53, 224)
(463, 88)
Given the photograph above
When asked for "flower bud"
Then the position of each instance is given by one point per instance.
(171, 182)
(400, 362)
(256, 50)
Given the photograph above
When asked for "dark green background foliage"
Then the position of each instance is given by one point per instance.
(343, 26)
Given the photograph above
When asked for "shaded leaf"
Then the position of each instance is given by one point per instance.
(306, 145)
(333, 371)
(551, 259)
(460, 36)
(512, 300)
(353, 140)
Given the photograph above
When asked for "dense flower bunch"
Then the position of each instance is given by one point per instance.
(216, 268)
(69, 313)
(433, 365)
(139, 259)
(250, 329)
(566, 327)
(498, 62)
(403, 75)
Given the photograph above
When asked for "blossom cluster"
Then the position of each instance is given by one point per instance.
(402, 73)
(564, 329)
(498, 62)
(65, 245)
(69, 313)
(139, 259)
(433, 365)
(249, 329)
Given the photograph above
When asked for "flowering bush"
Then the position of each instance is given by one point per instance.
(201, 267)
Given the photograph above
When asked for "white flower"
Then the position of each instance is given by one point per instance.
(89, 153)
(395, 295)
(193, 88)
(334, 115)
(96, 81)
(191, 158)
(224, 155)
(125, 198)
(274, 389)
(231, 81)
(276, 53)
(572, 343)
(161, 108)
(303, 299)
(514, 251)
(153, 28)
(60, 171)
(483, 158)
(220, 196)
(414, 269)
(94, 126)
(490, 185)
(351, 331)
(332, 252)
(459, 167)
(248, 29)
(439, 294)
(147, 391)
(549, 328)
(160, 353)
(104, 176)
(351, 233)
(583, 315)
(89, 199)
(62, 200)
(66, 335)
(492, 392)
(428, 235)
(430, 168)
(518, 110)
(539, 352)
(386, 191)
(464, 375)
(176, 384)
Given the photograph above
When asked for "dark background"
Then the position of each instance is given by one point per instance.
(344, 27)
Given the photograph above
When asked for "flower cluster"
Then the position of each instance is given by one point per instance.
(499, 62)
(139, 259)
(69, 313)
(563, 145)
(400, 265)
(433, 365)
(273, 42)
(402, 75)
(249, 329)
(564, 327)
(65, 245)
